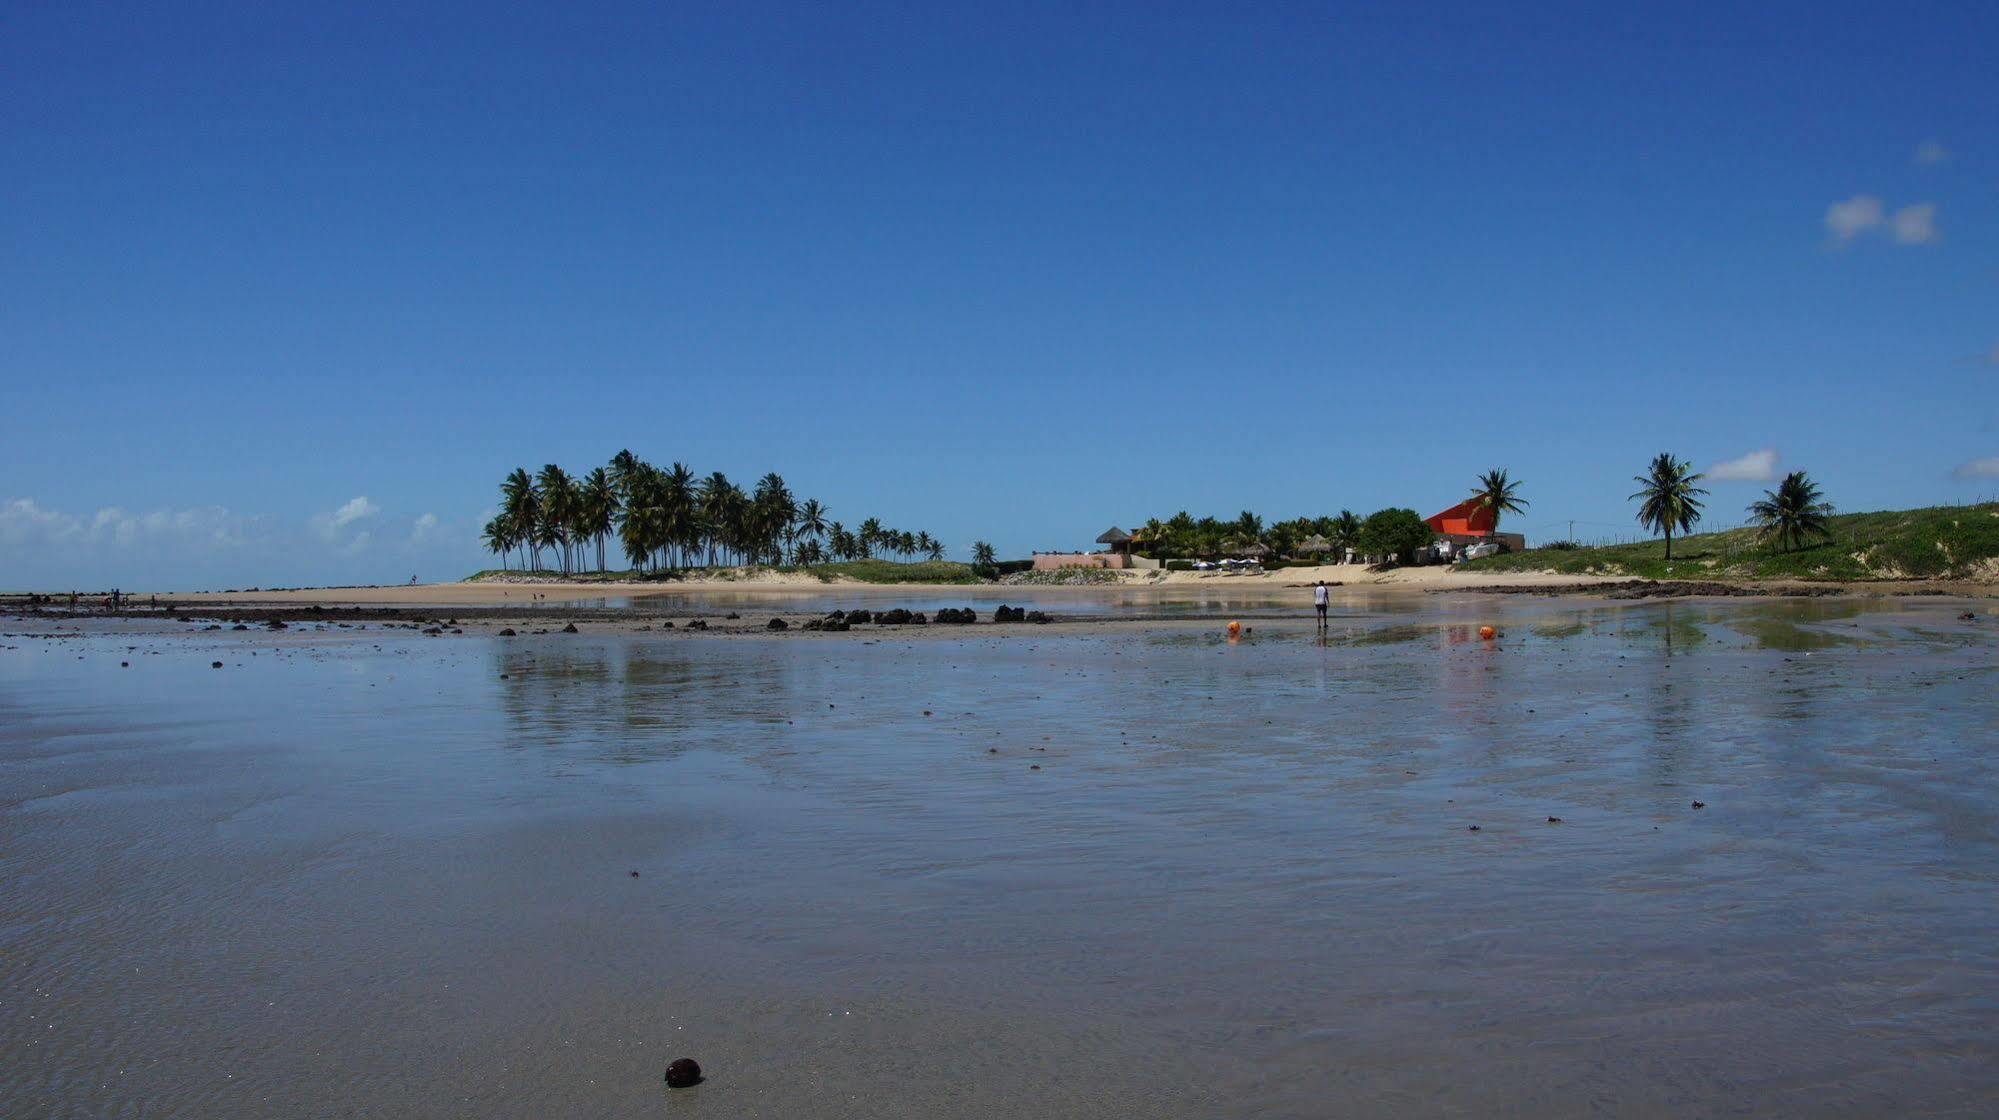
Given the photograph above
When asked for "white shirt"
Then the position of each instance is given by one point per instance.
(1318, 596)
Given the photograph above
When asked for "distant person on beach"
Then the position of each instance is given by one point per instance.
(1319, 601)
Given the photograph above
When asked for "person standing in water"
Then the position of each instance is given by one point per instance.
(1319, 601)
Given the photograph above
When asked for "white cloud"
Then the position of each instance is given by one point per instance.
(1930, 153)
(1979, 468)
(1757, 466)
(354, 510)
(23, 521)
(423, 528)
(1915, 225)
(328, 526)
(1848, 220)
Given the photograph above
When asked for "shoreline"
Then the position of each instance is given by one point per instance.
(1345, 580)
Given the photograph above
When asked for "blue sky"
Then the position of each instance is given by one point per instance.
(285, 289)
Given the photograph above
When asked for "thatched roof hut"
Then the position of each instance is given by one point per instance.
(1315, 543)
(1257, 549)
(1117, 539)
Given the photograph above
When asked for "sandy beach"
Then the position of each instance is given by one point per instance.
(1347, 580)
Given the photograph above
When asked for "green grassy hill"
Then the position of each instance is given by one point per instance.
(1942, 542)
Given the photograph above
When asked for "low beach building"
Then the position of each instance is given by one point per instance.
(1115, 554)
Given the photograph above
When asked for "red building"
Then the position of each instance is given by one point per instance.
(1469, 522)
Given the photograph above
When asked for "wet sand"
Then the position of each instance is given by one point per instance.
(386, 873)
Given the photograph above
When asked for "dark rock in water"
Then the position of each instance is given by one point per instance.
(507, 633)
(1967, 616)
(698, 624)
(811, 624)
(955, 616)
(124, 664)
(860, 616)
(275, 623)
(635, 874)
(835, 616)
(777, 624)
(916, 618)
(239, 626)
(1554, 820)
(668, 625)
(839, 627)
(569, 629)
(732, 614)
(215, 664)
(1010, 614)
(683, 1072)
(1700, 804)
(896, 617)
(1034, 616)
(1473, 828)
(432, 631)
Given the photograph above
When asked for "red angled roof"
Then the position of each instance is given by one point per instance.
(1466, 519)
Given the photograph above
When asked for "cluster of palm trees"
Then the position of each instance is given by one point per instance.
(670, 518)
(1184, 535)
(1793, 513)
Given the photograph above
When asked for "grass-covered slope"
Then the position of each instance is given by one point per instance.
(1942, 542)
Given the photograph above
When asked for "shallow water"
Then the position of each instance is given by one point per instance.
(386, 875)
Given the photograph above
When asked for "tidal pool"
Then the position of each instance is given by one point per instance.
(380, 874)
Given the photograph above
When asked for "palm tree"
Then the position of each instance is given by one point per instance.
(521, 505)
(984, 560)
(1344, 533)
(1792, 512)
(869, 535)
(1668, 497)
(597, 509)
(1501, 495)
(771, 514)
(498, 538)
(811, 519)
(930, 546)
(558, 510)
(714, 496)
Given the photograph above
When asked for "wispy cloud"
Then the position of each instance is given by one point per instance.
(332, 527)
(1931, 153)
(1863, 214)
(1978, 468)
(1915, 225)
(23, 521)
(1853, 217)
(1756, 466)
(354, 510)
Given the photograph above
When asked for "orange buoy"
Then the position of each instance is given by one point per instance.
(1487, 633)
